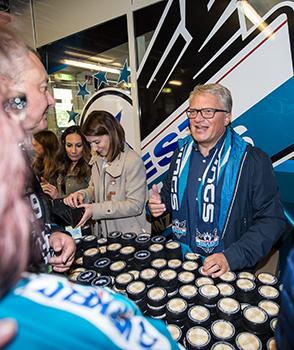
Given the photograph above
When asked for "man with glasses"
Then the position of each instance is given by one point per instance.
(220, 190)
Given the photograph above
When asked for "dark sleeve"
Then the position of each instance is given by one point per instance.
(285, 328)
(48, 217)
(166, 188)
(266, 217)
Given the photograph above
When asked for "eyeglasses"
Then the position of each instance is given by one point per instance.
(206, 113)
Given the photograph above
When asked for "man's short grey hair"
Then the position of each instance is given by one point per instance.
(13, 53)
(217, 90)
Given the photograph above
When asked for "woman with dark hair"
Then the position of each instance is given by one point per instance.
(46, 145)
(116, 195)
(73, 169)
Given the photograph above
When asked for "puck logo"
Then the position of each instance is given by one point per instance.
(84, 276)
(118, 103)
(158, 239)
(102, 262)
(142, 238)
(102, 281)
(128, 235)
(114, 234)
(142, 255)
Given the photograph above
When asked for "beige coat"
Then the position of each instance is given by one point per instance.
(118, 191)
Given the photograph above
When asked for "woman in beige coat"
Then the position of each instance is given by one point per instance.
(117, 192)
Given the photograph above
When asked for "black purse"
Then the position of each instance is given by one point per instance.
(70, 216)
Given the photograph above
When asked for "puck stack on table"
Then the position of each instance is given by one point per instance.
(234, 311)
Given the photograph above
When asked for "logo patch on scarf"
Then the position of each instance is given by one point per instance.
(207, 241)
(179, 228)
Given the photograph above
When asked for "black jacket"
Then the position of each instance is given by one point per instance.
(285, 328)
(40, 222)
(42, 225)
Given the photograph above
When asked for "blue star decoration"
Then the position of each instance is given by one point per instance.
(125, 73)
(101, 77)
(118, 116)
(72, 116)
(83, 92)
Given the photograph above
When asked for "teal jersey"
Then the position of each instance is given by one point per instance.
(53, 313)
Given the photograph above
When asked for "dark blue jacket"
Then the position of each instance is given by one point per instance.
(256, 219)
(285, 327)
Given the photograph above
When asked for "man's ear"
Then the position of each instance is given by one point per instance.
(5, 18)
(5, 84)
(4, 79)
(228, 118)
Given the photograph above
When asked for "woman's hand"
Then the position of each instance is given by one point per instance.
(74, 199)
(49, 189)
(87, 214)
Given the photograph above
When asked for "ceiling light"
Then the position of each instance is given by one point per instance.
(91, 66)
(175, 82)
(88, 57)
(254, 17)
(116, 64)
(100, 59)
(63, 76)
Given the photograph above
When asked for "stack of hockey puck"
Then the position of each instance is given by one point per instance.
(201, 312)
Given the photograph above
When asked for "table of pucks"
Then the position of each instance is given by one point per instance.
(234, 311)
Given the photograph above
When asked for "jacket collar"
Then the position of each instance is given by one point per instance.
(114, 168)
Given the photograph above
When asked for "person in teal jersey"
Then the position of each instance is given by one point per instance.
(53, 313)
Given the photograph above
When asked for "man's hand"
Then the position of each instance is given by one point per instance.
(87, 214)
(215, 265)
(74, 199)
(65, 248)
(8, 328)
(156, 207)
